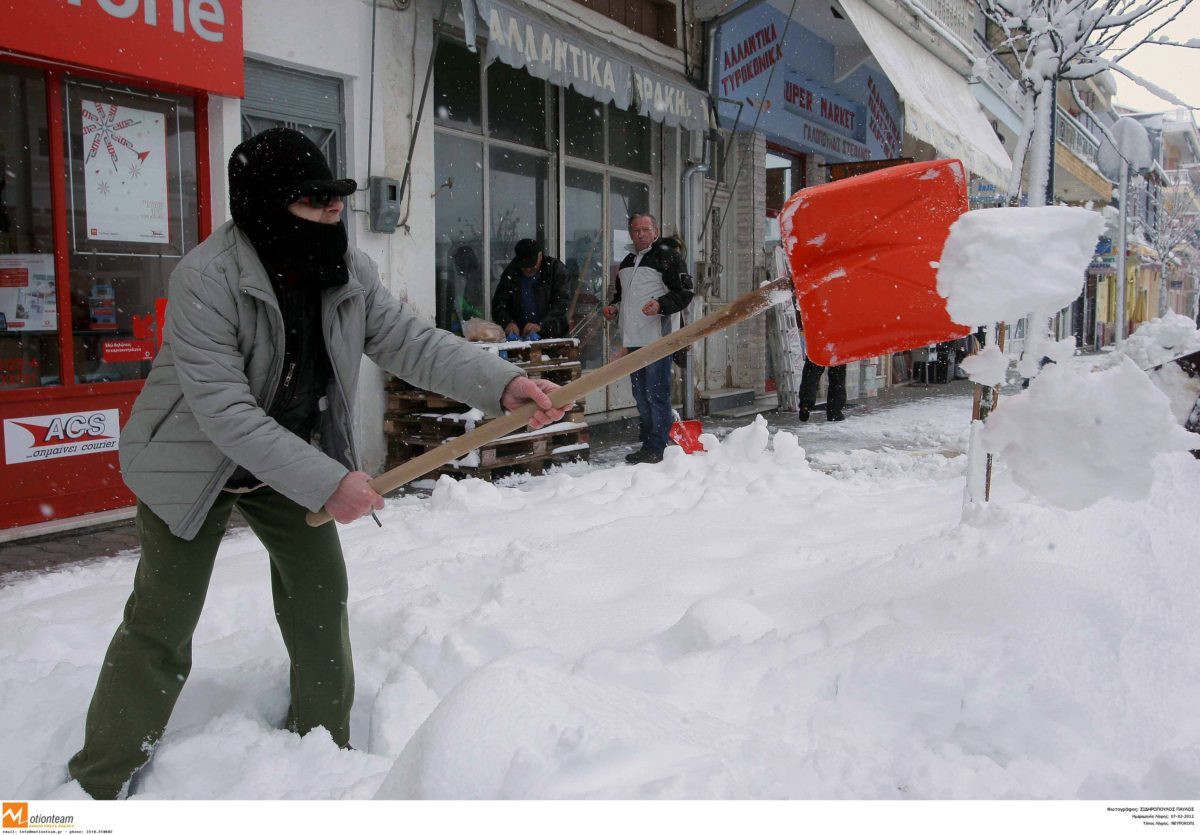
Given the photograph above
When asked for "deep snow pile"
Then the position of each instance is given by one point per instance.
(1119, 422)
(735, 624)
(1160, 340)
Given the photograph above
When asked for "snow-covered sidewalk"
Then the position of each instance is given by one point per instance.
(740, 624)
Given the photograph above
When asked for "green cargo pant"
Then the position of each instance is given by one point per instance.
(151, 654)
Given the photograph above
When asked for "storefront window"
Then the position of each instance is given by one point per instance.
(625, 199)
(584, 259)
(517, 105)
(458, 166)
(584, 126)
(456, 89)
(629, 144)
(519, 193)
(29, 353)
(131, 215)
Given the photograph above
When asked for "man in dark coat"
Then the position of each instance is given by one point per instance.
(532, 296)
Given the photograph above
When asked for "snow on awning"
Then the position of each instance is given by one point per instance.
(529, 39)
(938, 106)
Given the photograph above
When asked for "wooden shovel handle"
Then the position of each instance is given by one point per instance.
(738, 310)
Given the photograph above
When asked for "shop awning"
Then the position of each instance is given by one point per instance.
(938, 105)
(530, 39)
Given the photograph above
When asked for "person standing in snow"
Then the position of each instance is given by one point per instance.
(835, 398)
(249, 405)
(653, 289)
(531, 296)
(810, 379)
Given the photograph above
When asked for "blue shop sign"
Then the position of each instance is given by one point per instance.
(853, 118)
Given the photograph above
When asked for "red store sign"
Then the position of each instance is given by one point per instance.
(189, 43)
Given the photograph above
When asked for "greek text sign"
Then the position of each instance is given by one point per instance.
(781, 78)
(521, 40)
(524, 38)
(803, 97)
(44, 437)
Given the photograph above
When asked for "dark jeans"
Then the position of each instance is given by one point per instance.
(811, 377)
(652, 392)
(150, 656)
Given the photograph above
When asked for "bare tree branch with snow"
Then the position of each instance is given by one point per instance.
(1046, 41)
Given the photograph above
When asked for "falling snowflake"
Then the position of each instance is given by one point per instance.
(134, 169)
(106, 131)
(102, 187)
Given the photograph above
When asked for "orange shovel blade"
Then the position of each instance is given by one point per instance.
(863, 253)
(686, 434)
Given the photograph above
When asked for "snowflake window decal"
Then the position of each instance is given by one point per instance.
(107, 131)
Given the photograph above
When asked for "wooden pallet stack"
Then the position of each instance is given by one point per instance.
(417, 421)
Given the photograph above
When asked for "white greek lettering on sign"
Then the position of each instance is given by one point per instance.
(662, 98)
(565, 57)
(43, 437)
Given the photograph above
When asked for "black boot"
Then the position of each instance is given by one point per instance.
(804, 412)
(834, 414)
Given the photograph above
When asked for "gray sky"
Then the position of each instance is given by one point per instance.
(1176, 69)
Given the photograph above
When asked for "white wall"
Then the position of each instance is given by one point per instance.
(333, 37)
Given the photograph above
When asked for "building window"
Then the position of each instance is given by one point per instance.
(516, 157)
(492, 164)
(311, 104)
(28, 299)
(652, 18)
(131, 215)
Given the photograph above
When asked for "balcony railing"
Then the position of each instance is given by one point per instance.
(997, 76)
(956, 15)
(1071, 132)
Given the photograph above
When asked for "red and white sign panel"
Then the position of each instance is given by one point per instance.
(190, 43)
(124, 173)
(127, 350)
(45, 437)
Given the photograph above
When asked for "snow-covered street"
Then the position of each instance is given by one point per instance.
(745, 623)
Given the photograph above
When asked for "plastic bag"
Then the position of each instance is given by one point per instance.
(481, 330)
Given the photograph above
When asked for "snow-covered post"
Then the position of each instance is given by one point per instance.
(1122, 254)
(1126, 149)
(998, 264)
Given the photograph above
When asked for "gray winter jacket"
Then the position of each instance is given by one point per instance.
(201, 412)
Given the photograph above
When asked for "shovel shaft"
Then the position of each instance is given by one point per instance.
(740, 309)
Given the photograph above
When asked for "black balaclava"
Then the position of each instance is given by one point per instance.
(268, 172)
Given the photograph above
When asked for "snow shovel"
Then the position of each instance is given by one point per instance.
(686, 435)
(864, 248)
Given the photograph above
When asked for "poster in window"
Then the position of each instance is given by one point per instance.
(125, 173)
(28, 303)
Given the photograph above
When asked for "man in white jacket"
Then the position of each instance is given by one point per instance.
(653, 289)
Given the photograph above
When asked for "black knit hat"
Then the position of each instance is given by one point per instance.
(527, 251)
(281, 165)
(268, 172)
